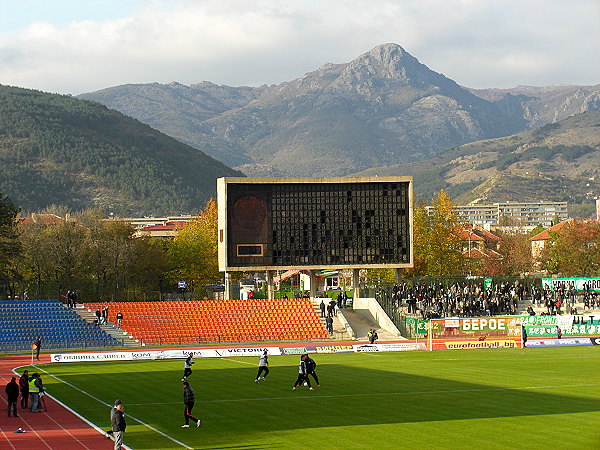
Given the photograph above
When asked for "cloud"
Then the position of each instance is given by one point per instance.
(492, 43)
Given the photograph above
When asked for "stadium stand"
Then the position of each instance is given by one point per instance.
(21, 321)
(176, 322)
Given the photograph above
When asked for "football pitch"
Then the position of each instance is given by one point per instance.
(527, 398)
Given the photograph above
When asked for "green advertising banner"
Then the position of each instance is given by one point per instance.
(420, 326)
(487, 283)
(545, 326)
(581, 284)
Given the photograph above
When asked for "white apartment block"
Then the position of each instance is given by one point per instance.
(518, 213)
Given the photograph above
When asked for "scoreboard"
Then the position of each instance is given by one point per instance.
(314, 223)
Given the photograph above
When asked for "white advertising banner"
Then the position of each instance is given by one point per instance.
(394, 347)
(163, 354)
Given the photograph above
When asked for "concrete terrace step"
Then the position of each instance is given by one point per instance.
(361, 321)
(340, 331)
(110, 328)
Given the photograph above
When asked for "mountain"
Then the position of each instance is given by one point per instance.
(558, 162)
(56, 149)
(385, 107)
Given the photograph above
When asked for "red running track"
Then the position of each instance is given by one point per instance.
(58, 428)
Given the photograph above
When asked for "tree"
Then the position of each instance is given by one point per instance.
(516, 251)
(9, 239)
(574, 250)
(66, 252)
(420, 231)
(37, 254)
(193, 252)
(437, 246)
(108, 252)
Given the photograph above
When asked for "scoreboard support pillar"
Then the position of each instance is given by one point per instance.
(398, 276)
(356, 283)
(228, 291)
(269, 277)
(313, 284)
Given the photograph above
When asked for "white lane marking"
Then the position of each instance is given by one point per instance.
(109, 406)
(24, 419)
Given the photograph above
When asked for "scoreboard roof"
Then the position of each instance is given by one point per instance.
(314, 223)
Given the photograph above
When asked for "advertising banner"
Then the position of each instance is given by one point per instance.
(332, 349)
(484, 343)
(568, 342)
(163, 354)
(394, 347)
(84, 357)
(592, 284)
(475, 332)
(420, 326)
(545, 326)
(232, 352)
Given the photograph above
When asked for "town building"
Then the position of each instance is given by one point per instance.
(512, 213)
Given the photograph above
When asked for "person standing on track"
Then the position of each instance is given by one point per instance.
(117, 420)
(24, 385)
(38, 346)
(34, 392)
(263, 366)
(12, 395)
(302, 375)
(188, 400)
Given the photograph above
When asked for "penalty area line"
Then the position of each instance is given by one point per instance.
(109, 406)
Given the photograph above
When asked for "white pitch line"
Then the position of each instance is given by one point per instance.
(237, 361)
(109, 406)
(379, 394)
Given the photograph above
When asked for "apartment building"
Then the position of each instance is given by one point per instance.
(516, 213)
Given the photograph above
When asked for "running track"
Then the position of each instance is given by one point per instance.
(59, 428)
(56, 429)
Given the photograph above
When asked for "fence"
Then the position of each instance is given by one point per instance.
(21, 346)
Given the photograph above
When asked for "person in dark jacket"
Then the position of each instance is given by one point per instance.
(311, 365)
(372, 336)
(38, 346)
(12, 394)
(302, 375)
(117, 420)
(188, 400)
(24, 385)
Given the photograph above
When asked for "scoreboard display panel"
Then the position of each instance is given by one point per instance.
(314, 223)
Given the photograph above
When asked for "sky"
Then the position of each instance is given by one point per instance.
(77, 46)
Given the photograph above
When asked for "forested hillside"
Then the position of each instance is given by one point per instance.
(56, 149)
(558, 162)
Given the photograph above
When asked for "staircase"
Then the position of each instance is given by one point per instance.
(341, 329)
(110, 328)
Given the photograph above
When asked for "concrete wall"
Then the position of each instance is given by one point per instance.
(377, 312)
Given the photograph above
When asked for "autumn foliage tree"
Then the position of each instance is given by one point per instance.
(437, 247)
(193, 252)
(574, 250)
(516, 251)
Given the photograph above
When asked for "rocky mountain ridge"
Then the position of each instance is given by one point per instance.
(384, 108)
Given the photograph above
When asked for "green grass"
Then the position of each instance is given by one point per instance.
(481, 399)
